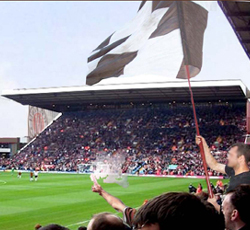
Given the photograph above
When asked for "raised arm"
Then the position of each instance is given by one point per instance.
(212, 163)
(113, 201)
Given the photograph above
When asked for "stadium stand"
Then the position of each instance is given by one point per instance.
(152, 137)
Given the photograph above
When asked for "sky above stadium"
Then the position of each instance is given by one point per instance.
(46, 44)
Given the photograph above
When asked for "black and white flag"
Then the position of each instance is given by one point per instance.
(163, 37)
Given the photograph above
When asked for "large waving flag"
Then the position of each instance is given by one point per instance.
(162, 38)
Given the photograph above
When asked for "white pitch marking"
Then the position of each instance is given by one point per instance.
(3, 182)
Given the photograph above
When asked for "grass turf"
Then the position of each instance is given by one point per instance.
(67, 199)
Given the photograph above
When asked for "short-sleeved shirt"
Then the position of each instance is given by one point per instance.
(235, 180)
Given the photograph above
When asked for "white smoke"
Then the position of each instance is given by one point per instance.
(109, 168)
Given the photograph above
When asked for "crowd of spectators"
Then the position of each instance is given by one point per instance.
(172, 210)
(155, 138)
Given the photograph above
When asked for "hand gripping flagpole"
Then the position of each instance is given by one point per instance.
(209, 188)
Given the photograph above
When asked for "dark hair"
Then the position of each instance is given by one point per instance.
(240, 199)
(103, 222)
(202, 195)
(216, 221)
(174, 211)
(53, 227)
(82, 228)
(243, 149)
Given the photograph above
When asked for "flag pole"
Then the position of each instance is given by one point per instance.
(209, 188)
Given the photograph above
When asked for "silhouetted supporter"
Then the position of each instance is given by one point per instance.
(53, 227)
(177, 211)
(106, 221)
(235, 208)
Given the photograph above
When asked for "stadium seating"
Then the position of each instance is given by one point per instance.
(155, 138)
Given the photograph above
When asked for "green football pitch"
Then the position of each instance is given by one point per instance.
(67, 199)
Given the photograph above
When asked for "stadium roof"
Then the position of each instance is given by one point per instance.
(238, 15)
(77, 98)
